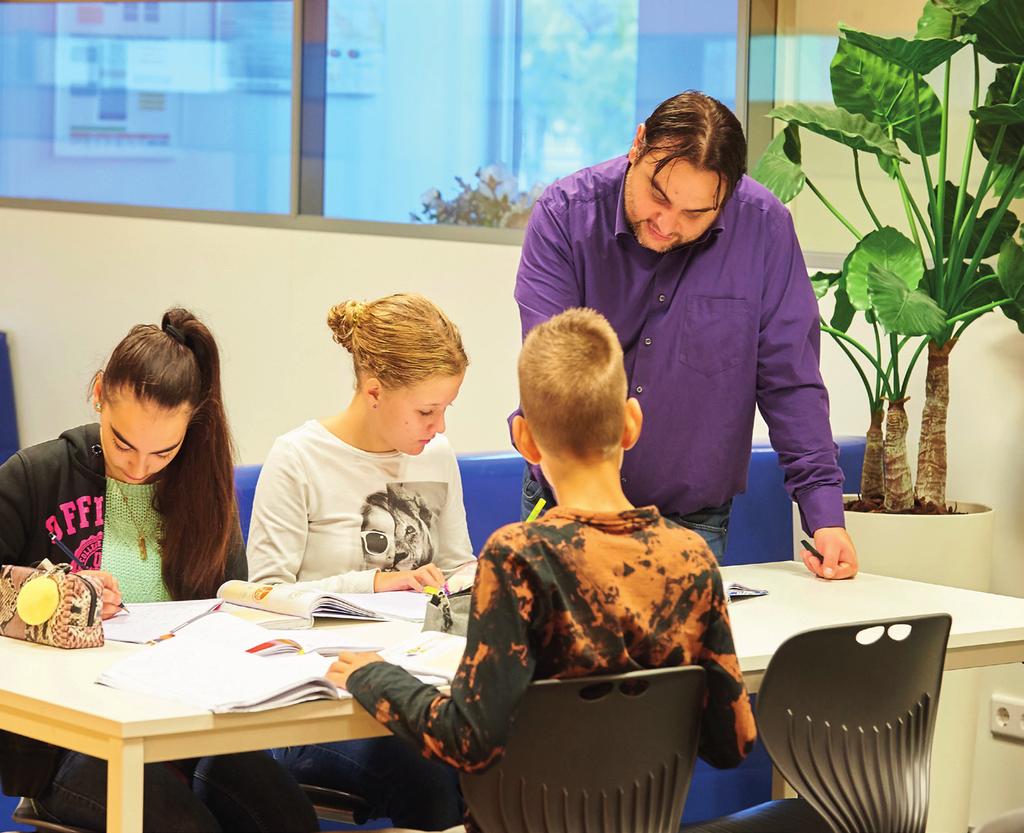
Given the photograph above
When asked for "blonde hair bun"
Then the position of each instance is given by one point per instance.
(343, 319)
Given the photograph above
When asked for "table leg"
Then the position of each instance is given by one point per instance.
(124, 787)
(781, 787)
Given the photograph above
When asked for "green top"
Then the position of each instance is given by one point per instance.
(128, 516)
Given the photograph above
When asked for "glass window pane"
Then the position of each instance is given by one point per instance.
(181, 105)
(439, 111)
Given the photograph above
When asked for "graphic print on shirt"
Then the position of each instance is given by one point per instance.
(399, 529)
(74, 518)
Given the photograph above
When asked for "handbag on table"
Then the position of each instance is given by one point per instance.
(51, 606)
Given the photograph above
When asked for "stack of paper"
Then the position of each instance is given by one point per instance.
(208, 665)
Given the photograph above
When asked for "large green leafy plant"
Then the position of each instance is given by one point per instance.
(958, 260)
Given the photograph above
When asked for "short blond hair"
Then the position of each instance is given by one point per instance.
(400, 339)
(572, 384)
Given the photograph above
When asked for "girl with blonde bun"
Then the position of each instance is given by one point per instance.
(370, 500)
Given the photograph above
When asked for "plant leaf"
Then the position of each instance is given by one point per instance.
(963, 8)
(936, 22)
(998, 114)
(883, 92)
(920, 55)
(1010, 271)
(776, 171)
(886, 248)
(822, 282)
(842, 315)
(984, 293)
(1007, 226)
(999, 25)
(1002, 178)
(901, 310)
(850, 129)
(999, 93)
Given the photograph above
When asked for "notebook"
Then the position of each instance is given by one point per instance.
(223, 664)
(207, 665)
(403, 606)
(150, 621)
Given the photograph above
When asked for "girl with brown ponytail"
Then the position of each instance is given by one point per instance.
(145, 502)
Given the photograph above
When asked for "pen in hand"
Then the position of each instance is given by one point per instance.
(71, 558)
(807, 545)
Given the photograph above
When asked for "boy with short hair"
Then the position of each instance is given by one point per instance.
(595, 586)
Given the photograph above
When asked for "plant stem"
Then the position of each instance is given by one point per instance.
(860, 188)
(993, 224)
(974, 313)
(872, 472)
(934, 194)
(899, 491)
(965, 168)
(967, 229)
(860, 370)
(905, 383)
(910, 205)
(931, 458)
(839, 334)
(833, 209)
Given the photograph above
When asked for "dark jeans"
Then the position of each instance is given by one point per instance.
(398, 782)
(712, 524)
(246, 791)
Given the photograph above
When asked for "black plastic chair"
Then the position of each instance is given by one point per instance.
(28, 814)
(336, 805)
(847, 715)
(612, 753)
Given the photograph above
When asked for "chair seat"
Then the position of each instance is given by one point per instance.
(337, 805)
(29, 814)
(788, 815)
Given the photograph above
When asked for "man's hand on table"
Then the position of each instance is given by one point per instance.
(838, 554)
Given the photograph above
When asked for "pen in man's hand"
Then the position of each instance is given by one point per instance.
(807, 545)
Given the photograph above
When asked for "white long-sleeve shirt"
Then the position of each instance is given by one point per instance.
(328, 515)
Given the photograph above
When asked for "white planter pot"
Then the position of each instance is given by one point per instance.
(955, 550)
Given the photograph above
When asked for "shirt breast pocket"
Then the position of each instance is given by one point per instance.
(716, 333)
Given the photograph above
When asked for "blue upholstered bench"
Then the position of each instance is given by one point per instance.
(8, 417)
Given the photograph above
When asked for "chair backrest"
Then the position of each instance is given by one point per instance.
(847, 715)
(612, 753)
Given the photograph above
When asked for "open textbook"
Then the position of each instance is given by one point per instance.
(289, 600)
(216, 663)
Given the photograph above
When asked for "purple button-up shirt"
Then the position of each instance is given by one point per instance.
(708, 331)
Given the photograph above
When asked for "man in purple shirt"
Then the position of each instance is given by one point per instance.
(699, 270)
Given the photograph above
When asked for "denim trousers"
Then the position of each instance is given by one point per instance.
(390, 773)
(712, 523)
(246, 791)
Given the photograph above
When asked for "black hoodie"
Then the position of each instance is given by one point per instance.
(57, 487)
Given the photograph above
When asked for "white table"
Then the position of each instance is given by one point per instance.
(50, 694)
(987, 629)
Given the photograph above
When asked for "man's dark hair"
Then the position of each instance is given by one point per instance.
(700, 130)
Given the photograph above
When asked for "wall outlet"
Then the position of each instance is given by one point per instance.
(1006, 717)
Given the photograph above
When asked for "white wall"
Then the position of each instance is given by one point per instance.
(73, 284)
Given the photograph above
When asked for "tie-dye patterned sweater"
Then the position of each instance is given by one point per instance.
(573, 594)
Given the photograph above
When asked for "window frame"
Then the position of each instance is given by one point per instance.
(309, 34)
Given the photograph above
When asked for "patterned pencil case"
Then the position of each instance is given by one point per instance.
(52, 607)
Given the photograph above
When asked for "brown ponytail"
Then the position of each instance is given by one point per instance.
(173, 365)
